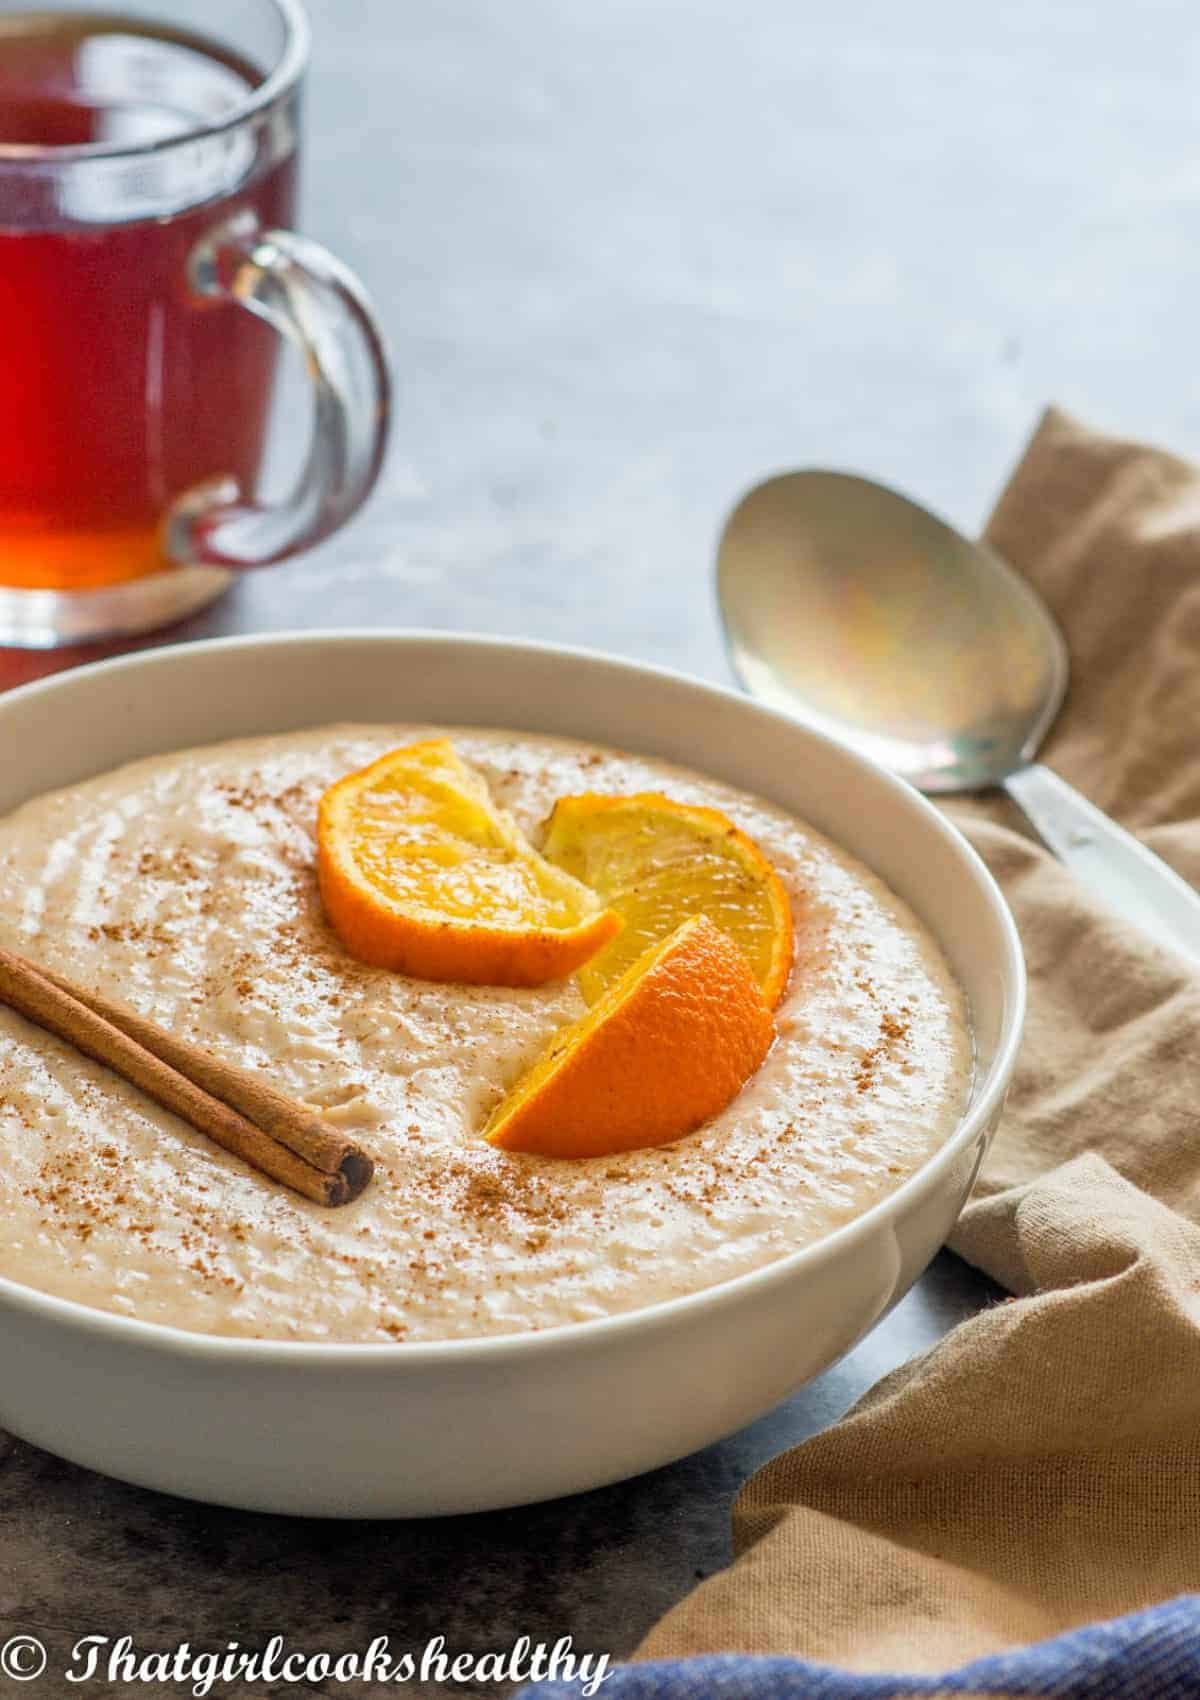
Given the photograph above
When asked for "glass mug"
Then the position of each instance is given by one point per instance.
(147, 183)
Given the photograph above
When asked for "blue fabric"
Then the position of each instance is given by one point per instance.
(1152, 1655)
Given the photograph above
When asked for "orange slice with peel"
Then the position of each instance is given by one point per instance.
(420, 872)
(666, 1048)
(656, 861)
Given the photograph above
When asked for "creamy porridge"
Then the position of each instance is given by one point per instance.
(185, 886)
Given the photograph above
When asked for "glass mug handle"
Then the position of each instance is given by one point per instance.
(316, 303)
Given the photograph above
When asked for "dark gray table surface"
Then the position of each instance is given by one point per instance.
(632, 257)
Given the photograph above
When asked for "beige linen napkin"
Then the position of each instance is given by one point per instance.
(1040, 1467)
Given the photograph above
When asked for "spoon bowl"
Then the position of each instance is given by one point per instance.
(865, 616)
(868, 617)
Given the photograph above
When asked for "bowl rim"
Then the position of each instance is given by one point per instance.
(570, 1336)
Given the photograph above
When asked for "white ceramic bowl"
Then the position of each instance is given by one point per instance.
(416, 1430)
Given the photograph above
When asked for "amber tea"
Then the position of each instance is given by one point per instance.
(117, 392)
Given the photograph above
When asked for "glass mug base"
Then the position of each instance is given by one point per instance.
(51, 619)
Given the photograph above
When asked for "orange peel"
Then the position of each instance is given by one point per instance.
(665, 1048)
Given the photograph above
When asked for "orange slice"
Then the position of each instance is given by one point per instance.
(665, 1048)
(656, 861)
(420, 872)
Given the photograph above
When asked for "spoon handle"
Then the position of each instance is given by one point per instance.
(1132, 880)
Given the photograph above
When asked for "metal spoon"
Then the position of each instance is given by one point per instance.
(860, 613)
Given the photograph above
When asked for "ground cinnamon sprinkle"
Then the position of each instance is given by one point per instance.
(894, 1027)
(486, 1196)
(894, 1030)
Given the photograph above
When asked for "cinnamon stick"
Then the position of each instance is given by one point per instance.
(233, 1106)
